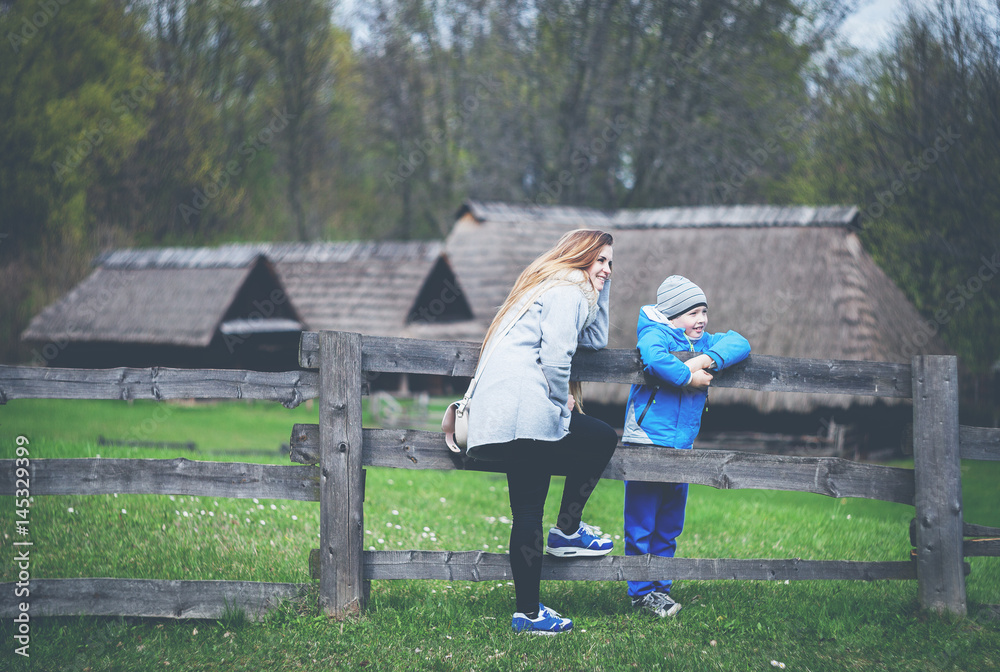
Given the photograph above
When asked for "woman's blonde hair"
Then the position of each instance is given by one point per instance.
(577, 249)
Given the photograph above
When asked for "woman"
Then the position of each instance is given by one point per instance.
(524, 411)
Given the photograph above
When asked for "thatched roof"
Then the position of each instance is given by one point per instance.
(165, 297)
(794, 280)
(376, 288)
(183, 296)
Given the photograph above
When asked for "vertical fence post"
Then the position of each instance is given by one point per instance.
(938, 481)
(341, 499)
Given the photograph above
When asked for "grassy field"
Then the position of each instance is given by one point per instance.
(725, 625)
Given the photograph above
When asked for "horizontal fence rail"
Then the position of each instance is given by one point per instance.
(979, 443)
(726, 470)
(104, 476)
(758, 372)
(151, 598)
(33, 382)
(480, 566)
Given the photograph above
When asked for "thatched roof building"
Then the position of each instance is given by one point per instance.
(244, 305)
(794, 280)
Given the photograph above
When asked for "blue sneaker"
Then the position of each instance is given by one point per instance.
(548, 622)
(586, 542)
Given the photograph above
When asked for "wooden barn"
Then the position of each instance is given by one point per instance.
(245, 305)
(794, 280)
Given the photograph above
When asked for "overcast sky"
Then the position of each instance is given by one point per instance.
(869, 27)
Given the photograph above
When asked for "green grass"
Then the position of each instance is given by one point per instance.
(436, 625)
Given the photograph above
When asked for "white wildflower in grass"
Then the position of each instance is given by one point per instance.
(443, 500)
(186, 514)
(202, 512)
(391, 482)
(248, 520)
(260, 506)
(263, 523)
(172, 498)
(274, 508)
(395, 512)
(116, 494)
(381, 541)
(256, 501)
(71, 509)
(124, 511)
(371, 548)
(388, 524)
(426, 529)
(294, 517)
(848, 516)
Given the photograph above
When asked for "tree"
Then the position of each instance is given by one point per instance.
(911, 136)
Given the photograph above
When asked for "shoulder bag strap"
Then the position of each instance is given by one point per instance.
(481, 366)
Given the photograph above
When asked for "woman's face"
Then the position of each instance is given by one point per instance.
(600, 270)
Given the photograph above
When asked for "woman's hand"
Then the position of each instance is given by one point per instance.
(571, 403)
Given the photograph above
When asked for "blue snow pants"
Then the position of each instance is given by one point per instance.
(654, 518)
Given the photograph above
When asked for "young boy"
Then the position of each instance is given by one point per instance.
(668, 413)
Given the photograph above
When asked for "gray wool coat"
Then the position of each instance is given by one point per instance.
(523, 391)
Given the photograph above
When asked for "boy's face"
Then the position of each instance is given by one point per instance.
(692, 322)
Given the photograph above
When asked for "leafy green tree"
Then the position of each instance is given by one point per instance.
(910, 136)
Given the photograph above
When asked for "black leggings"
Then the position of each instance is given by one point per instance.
(581, 456)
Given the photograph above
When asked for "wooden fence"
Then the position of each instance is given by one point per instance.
(333, 455)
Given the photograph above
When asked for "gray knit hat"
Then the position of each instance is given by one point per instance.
(677, 295)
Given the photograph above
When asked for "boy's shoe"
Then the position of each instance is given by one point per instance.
(548, 622)
(586, 541)
(659, 604)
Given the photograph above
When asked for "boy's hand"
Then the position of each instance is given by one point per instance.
(700, 362)
(700, 380)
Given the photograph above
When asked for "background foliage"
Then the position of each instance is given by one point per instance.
(191, 122)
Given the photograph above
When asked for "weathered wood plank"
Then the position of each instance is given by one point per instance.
(149, 598)
(181, 476)
(341, 504)
(831, 476)
(938, 481)
(970, 530)
(758, 372)
(479, 566)
(33, 382)
(979, 443)
(981, 548)
(967, 531)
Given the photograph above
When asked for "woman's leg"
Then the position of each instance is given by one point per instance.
(528, 485)
(582, 455)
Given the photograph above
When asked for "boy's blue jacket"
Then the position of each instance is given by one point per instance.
(674, 417)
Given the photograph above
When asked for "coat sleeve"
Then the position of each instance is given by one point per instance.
(564, 312)
(595, 336)
(727, 349)
(654, 348)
